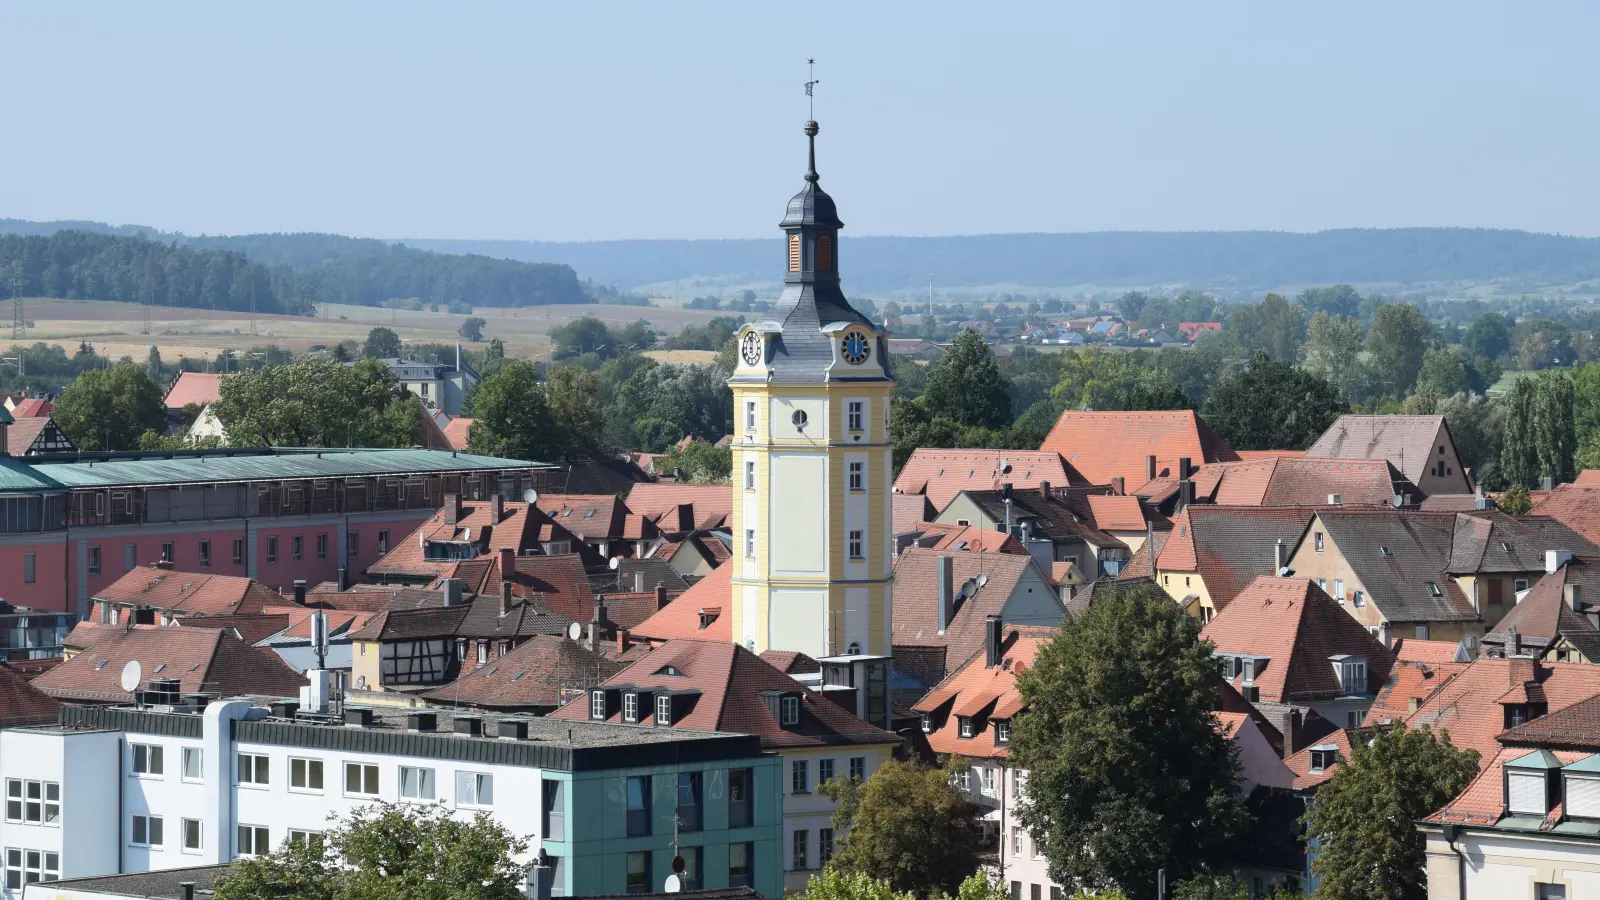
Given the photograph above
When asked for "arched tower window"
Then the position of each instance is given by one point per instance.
(824, 253)
(794, 252)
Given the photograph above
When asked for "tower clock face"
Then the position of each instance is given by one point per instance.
(856, 348)
(750, 349)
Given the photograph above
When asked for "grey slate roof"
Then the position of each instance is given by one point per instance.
(622, 581)
(1491, 541)
(166, 884)
(1406, 441)
(1419, 547)
(263, 465)
(1543, 614)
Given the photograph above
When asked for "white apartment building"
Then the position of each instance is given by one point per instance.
(111, 790)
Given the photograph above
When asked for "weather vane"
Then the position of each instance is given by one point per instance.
(811, 103)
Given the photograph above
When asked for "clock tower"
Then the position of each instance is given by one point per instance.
(812, 524)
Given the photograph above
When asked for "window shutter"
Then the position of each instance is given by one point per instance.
(1527, 795)
(824, 253)
(794, 252)
(1583, 796)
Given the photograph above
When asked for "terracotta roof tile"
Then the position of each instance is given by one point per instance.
(22, 703)
(204, 660)
(1575, 505)
(682, 617)
(1280, 481)
(1433, 652)
(712, 503)
(1409, 685)
(459, 432)
(1100, 446)
(188, 592)
(34, 407)
(1468, 707)
(941, 474)
(1117, 513)
(976, 689)
(199, 388)
(1408, 583)
(1298, 628)
(516, 530)
(252, 629)
(936, 536)
(909, 509)
(25, 430)
(1543, 615)
(543, 671)
(1299, 762)
(589, 516)
(731, 683)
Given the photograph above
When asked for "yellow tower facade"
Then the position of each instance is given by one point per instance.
(812, 519)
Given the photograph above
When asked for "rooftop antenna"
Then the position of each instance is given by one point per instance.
(811, 101)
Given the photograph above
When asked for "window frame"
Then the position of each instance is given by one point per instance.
(857, 475)
(856, 544)
(363, 768)
(800, 850)
(788, 710)
(663, 709)
(800, 776)
(255, 775)
(478, 781)
(855, 415)
(858, 768)
(155, 766)
(308, 765)
(94, 560)
(258, 834)
(184, 825)
(426, 784)
(148, 820)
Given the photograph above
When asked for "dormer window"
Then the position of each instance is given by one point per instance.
(790, 707)
(630, 707)
(1531, 785)
(1249, 669)
(1351, 672)
(1522, 713)
(1230, 668)
(1002, 731)
(663, 710)
(1323, 757)
(927, 723)
(964, 724)
(597, 705)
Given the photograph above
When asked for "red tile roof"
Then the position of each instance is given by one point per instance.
(199, 388)
(1100, 446)
(1247, 455)
(544, 671)
(731, 683)
(1406, 441)
(459, 432)
(1300, 762)
(1280, 481)
(32, 407)
(590, 516)
(682, 617)
(252, 629)
(21, 703)
(936, 536)
(713, 503)
(556, 584)
(1409, 685)
(517, 531)
(1298, 627)
(1117, 512)
(1483, 802)
(982, 691)
(1576, 506)
(1469, 707)
(942, 474)
(204, 660)
(189, 592)
(1229, 545)
(916, 598)
(909, 509)
(1434, 652)
(25, 430)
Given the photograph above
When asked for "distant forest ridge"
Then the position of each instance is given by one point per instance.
(278, 272)
(1233, 262)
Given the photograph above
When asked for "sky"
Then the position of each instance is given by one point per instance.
(591, 121)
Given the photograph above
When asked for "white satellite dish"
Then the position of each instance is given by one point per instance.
(615, 563)
(672, 885)
(132, 675)
(574, 631)
(530, 496)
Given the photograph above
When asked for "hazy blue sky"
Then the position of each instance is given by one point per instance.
(606, 120)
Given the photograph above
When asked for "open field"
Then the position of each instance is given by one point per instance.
(116, 329)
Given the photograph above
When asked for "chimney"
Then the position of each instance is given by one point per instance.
(1291, 738)
(105, 612)
(623, 640)
(1515, 649)
(1569, 593)
(1555, 559)
(1044, 490)
(993, 636)
(1479, 501)
(1523, 670)
(1117, 485)
(1548, 483)
(452, 508)
(344, 579)
(946, 568)
(300, 591)
(187, 889)
(1150, 468)
(451, 587)
(1411, 705)
(661, 596)
(1280, 557)
(1183, 467)
(505, 597)
(638, 582)
(498, 504)
(508, 563)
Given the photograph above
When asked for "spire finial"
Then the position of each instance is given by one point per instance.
(811, 123)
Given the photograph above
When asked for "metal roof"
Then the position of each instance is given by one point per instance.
(268, 466)
(17, 477)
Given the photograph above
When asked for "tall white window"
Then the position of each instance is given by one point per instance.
(33, 802)
(857, 550)
(305, 774)
(858, 476)
(597, 704)
(749, 543)
(790, 710)
(416, 783)
(191, 763)
(854, 415)
(988, 780)
(750, 415)
(750, 475)
(147, 831)
(360, 780)
(191, 835)
(663, 710)
(630, 707)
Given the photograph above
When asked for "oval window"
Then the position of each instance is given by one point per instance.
(799, 419)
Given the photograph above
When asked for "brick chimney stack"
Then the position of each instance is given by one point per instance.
(452, 508)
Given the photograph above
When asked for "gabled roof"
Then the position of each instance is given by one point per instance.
(412, 623)
(556, 584)
(21, 703)
(1575, 505)
(1409, 682)
(204, 660)
(709, 601)
(909, 509)
(1491, 541)
(1302, 481)
(590, 516)
(1229, 545)
(189, 592)
(1299, 762)
(25, 431)
(1113, 512)
(544, 671)
(1403, 581)
(935, 536)
(199, 388)
(252, 629)
(713, 504)
(728, 684)
(1470, 708)
(1542, 615)
(32, 407)
(1406, 441)
(1576, 727)
(1298, 628)
(978, 689)
(1066, 514)
(1099, 446)
(916, 597)
(632, 573)
(1483, 802)
(459, 432)
(941, 474)
(516, 530)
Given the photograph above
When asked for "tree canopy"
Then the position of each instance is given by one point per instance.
(906, 825)
(108, 409)
(1127, 772)
(382, 343)
(1272, 405)
(472, 328)
(318, 403)
(1364, 818)
(966, 387)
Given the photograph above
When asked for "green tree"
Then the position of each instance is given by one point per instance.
(1338, 301)
(153, 365)
(1211, 887)
(1127, 772)
(318, 403)
(512, 416)
(1132, 304)
(108, 409)
(907, 825)
(700, 462)
(1364, 819)
(1444, 373)
(1539, 437)
(389, 850)
(472, 328)
(1274, 326)
(1488, 337)
(1102, 379)
(1332, 351)
(382, 343)
(1395, 345)
(1272, 405)
(1477, 424)
(1514, 501)
(833, 884)
(575, 407)
(1541, 343)
(966, 387)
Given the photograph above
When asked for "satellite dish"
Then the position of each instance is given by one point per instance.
(132, 674)
(981, 580)
(1005, 467)
(530, 496)
(615, 563)
(673, 885)
(574, 631)
(678, 865)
